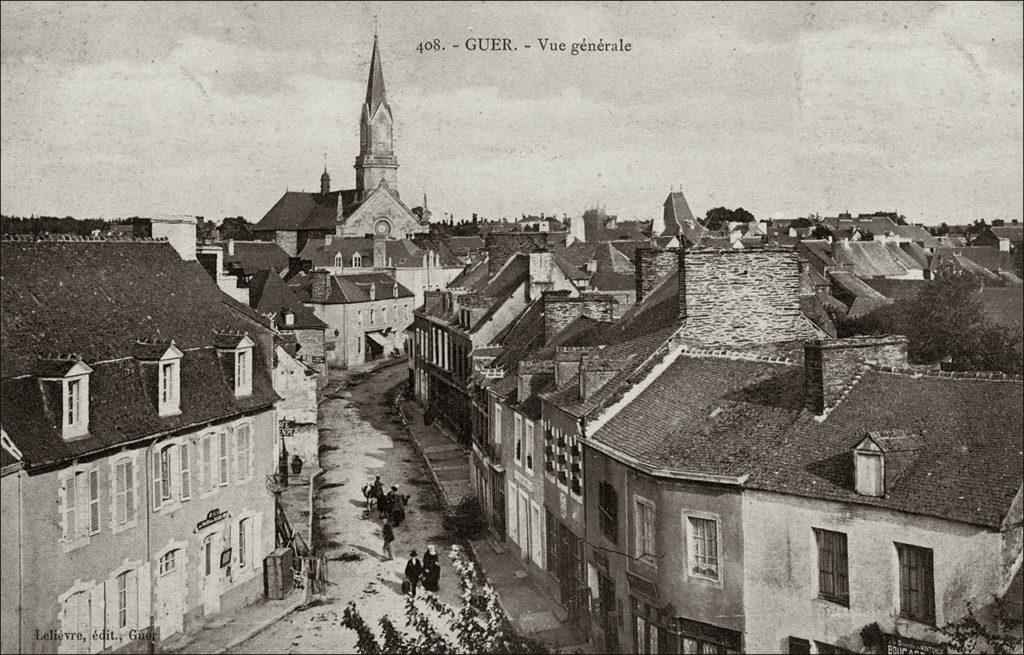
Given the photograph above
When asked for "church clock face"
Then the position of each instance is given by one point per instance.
(382, 228)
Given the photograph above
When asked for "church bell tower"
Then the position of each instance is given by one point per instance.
(376, 160)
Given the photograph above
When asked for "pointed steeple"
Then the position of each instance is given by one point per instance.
(375, 95)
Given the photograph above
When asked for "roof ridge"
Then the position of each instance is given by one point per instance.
(949, 375)
(723, 353)
(75, 238)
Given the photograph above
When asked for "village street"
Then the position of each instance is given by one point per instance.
(361, 438)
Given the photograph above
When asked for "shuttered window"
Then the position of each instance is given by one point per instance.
(917, 590)
(185, 468)
(223, 454)
(242, 449)
(833, 582)
(158, 481)
(165, 473)
(207, 464)
(124, 492)
(644, 527)
(70, 509)
(94, 502)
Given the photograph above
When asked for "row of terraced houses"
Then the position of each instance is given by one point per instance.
(703, 468)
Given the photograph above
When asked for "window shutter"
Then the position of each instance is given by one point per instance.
(132, 603)
(206, 462)
(186, 472)
(224, 460)
(70, 522)
(111, 603)
(157, 481)
(94, 502)
(82, 496)
(96, 616)
(143, 595)
(904, 580)
(121, 494)
(129, 491)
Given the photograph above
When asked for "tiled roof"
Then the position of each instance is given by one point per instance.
(731, 417)
(96, 299)
(990, 258)
(866, 299)
(473, 277)
(269, 294)
(917, 235)
(523, 336)
(252, 256)
(353, 288)
(1011, 232)
(399, 253)
(869, 258)
(611, 281)
(299, 210)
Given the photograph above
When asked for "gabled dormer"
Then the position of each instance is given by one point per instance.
(160, 361)
(235, 350)
(65, 382)
(879, 459)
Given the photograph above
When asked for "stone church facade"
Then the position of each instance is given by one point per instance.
(372, 207)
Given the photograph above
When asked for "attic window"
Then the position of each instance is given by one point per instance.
(67, 378)
(870, 473)
(357, 260)
(243, 371)
(170, 387)
(289, 318)
(339, 261)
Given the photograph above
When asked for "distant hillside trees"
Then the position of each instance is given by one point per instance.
(719, 217)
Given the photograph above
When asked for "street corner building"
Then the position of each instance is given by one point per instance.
(138, 431)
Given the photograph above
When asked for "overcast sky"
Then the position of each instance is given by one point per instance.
(216, 109)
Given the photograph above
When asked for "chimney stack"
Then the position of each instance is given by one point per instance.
(560, 310)
(653, 266)
(831, 367)
(594, 374)
(231, 247)
(321, 288)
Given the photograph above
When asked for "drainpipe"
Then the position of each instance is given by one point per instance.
(21, 559)
(148, 466)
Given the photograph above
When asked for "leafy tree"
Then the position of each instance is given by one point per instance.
(719, 217)
(946, 323)
(999, 633)
(821, 232)
(477, 626)
(236, 227)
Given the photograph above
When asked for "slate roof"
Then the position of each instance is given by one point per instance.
(990, 258)
(400, 253)
(866, 298)
(269, 294)
(732, 417)
(353, 288)
(252, 256)
(873, 258)
(679, 220)
(918, 235)
(1011, 232)
(300, 210)
(96, 298)
(611, 281)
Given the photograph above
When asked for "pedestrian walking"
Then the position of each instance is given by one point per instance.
(431, 570)
(389, 536)
(413, 571)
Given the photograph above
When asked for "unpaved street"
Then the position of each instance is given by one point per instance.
(361, 438)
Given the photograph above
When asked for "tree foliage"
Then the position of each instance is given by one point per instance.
(946, 323)
(999, 632)
(478, 625)
(719, 217)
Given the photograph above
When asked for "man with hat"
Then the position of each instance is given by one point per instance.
(413, 570)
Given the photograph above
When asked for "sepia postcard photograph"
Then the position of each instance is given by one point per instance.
(511, 327)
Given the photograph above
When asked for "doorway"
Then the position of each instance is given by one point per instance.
(212, 576)
(170, 593)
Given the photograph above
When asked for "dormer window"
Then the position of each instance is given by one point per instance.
(66, 379)
(236, 352)
(289, 318)
(869, 468)
(170, 391)
(357, 260)
(339, 261)
(243, 372)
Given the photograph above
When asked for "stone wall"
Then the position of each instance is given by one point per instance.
(742, 297)
(831, 367)
(560, 310)
(289, 242)
(652, 266)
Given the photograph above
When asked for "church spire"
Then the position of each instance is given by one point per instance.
(376, 160)
(375, 95)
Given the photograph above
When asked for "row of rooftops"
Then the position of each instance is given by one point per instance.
(676, 407)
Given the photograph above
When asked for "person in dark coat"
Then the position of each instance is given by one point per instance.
(431, 570)
(389, 536)
(413, 571)
(377, 489)
(396, 506)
